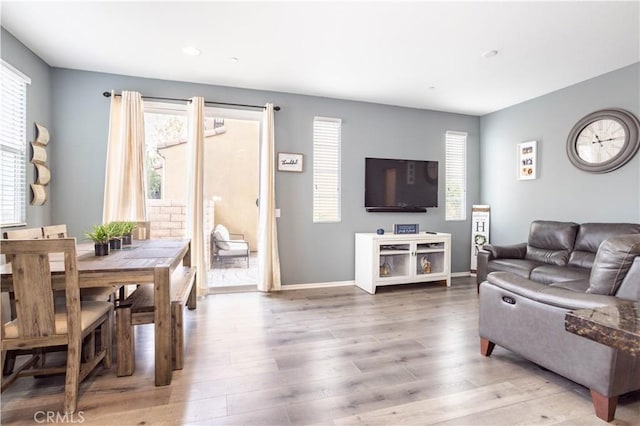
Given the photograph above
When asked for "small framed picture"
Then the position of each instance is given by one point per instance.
(527, 159)
(405, 228)
(290, 162)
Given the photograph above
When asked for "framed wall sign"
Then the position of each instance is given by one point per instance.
(405, 228)
(527, 160)
(479, 232)
(289, 162)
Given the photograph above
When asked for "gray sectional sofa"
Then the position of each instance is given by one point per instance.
(554, 252)
(527, 290)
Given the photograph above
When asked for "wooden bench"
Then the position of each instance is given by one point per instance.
(138, 308)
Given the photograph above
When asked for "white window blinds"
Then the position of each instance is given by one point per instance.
(455, 175)
(13, 146)
(326, 169)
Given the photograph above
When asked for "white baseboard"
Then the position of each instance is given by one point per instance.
(317, 285)
(346, 283)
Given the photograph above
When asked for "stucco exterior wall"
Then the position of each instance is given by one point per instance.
(230, 177)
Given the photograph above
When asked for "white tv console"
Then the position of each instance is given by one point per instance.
(390, 259)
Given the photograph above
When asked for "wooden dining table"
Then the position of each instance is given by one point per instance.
(144, 262)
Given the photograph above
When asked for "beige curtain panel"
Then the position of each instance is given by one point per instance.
(125, 183)
(268, 257)
(195, 203)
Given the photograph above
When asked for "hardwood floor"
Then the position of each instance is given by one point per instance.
(335, 356)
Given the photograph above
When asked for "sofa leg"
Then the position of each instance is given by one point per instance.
(604, 406)
(486, 346)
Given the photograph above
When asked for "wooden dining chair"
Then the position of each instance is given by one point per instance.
(40, 323)
(142, 231)
(23, 234)
(54, 231)
(95, 293)
(8, 362)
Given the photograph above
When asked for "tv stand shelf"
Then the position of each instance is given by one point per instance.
(391, 259)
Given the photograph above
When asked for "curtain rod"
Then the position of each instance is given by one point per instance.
(275, 108)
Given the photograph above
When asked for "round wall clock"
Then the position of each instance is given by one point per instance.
(603, 140)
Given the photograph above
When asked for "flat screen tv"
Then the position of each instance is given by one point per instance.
(400, 185)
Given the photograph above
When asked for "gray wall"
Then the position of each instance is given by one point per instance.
(38, 110)
(309, 252)
(561, 192)
(70, 104)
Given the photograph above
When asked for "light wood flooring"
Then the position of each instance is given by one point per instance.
(407, 355)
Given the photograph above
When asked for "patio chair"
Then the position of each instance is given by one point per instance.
(223, 247)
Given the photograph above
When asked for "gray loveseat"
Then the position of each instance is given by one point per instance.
(524, 311)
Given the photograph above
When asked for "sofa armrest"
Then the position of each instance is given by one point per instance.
(490, 252)
(553, 296)
(516, 251)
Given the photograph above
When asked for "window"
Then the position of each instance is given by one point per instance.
(326, 169)
(455, 175)
(165, 129)
(13, 146)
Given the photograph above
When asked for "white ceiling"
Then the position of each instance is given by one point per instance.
(383, 52)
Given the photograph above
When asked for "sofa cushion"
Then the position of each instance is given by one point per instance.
(221, 234)
(579, 286)
(234, 248)
(546, 294)
(547, 274)
(551, 242)
(582, 259)
(613, 260)
(591, 235)
(520, 267)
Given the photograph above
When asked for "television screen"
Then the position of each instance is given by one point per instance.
(398, 185)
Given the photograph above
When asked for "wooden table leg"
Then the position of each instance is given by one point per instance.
(162, 301)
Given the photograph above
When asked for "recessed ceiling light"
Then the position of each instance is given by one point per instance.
(191, 51)
(489, 54)
(431, 87)
(234, 60)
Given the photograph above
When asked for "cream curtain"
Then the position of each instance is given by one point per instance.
(125, 183)
(268, 257)
(195, 202)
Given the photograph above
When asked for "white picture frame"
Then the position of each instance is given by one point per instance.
(527, 155)
(290, 162)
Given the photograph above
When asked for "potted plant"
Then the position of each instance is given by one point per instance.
(127, 229)
(116, 230)
(100, 237)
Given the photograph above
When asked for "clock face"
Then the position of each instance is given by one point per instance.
(604, 140)
(600, 141)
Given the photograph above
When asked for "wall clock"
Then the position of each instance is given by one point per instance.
(603, 140)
